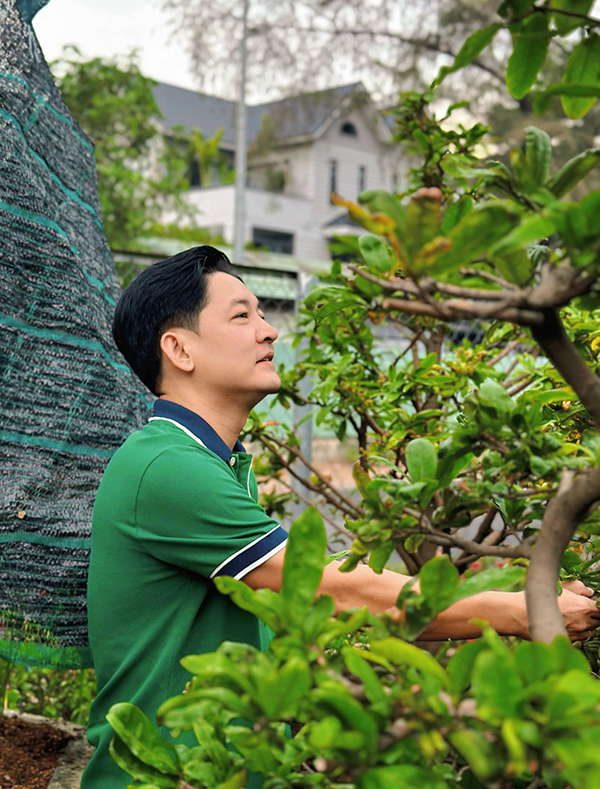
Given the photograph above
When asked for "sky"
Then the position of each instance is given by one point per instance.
(113, 27)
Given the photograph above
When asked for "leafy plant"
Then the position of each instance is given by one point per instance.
(370, 709)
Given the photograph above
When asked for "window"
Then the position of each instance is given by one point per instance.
(194, 174)
(332, 177)
(362, 178)
(349, 129)
(274, 240)
(395, 181)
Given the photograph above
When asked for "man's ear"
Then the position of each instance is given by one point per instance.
(174, 345)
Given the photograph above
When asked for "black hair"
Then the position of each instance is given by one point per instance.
(168, 294)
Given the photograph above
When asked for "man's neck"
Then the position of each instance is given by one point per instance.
(228, 426)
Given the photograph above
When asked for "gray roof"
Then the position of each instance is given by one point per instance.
(291, 117)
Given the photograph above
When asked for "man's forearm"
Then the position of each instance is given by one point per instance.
(503, 610)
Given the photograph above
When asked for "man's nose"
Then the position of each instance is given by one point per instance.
(267, 333)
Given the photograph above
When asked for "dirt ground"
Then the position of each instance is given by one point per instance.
(28, 753)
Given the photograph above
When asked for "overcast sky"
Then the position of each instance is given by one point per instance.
(113, 27)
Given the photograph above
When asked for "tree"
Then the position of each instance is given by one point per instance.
(441, 439)
(310, 44)
(142, 172)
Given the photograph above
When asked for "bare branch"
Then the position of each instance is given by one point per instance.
(575, 496)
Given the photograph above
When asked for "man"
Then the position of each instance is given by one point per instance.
(177, 505)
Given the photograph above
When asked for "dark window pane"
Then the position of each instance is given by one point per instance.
(349, 129)
(282, 243)
(362, 178)
(332, 177)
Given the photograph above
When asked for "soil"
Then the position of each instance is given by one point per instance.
(28, 753)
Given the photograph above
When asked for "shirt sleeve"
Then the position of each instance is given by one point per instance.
(192, 512)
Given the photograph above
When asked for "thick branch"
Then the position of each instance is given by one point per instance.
(555, 344)
(565, 511)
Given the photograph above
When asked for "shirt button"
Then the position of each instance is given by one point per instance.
(232, 460)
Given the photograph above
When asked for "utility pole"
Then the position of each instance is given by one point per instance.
(240, 150)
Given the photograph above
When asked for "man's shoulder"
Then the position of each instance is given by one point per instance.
(159, 442)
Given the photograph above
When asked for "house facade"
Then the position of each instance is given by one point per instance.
(300, 150)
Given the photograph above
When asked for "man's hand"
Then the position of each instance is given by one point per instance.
(581, 615)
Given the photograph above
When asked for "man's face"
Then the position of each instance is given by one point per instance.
(233, 340)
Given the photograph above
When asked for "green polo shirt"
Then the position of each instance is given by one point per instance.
(175, 509)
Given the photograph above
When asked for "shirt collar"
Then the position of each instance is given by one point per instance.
(196, 425)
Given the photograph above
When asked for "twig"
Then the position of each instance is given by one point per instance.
(520, 387)
(352, 513)
(504, 352)
(301, 457)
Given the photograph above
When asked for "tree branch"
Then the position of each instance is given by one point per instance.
(555, 344)
(575, 496)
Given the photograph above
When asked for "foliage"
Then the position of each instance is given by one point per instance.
(57, 694)
(141, 171)
(382, 714)
(210, 159)
(504, 428)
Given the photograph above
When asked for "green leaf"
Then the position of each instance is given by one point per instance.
(335, 699)
(400, 653)
(381, 202)
(472, 47)
(401, 776)
(237, 781)
(257, 754)
(535, 661)
(496, 686)
(247, 599)
(379, 557)
(451, 464)
(421, 460)
(583, 68)
(532, 228)
(438, 579)
(139, 770)
(543, 99)
(279, 693)
(494, 578)
(357, 665)
(530, 45)
(574, 171)
(473, 236)
(514, 266)
(482, 755)
(538, 150)
(460, 166)
(303, 564)
(323, 733)
(375, 253)
(142, 737)
(334, 307)
(212, 665)
(422, 223)
(564, 24)
(460, 665)
(456, 212)
(495, 395)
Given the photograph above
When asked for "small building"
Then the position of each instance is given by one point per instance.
(300, 150)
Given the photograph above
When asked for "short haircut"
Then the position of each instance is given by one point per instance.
(168, 294)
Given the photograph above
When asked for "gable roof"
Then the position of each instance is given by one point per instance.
(295, 116)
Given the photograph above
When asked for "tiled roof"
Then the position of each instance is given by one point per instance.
(291, 117)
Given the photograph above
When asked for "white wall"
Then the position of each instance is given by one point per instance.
(267, 210)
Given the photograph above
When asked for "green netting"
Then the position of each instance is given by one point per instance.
(68, 399)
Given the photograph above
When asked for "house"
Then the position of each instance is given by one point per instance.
(300, 150)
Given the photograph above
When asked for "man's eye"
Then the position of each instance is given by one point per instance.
(242, 315)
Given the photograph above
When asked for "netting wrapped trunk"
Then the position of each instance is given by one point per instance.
(68, 398)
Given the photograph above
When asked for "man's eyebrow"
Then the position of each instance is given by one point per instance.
(245, 302)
